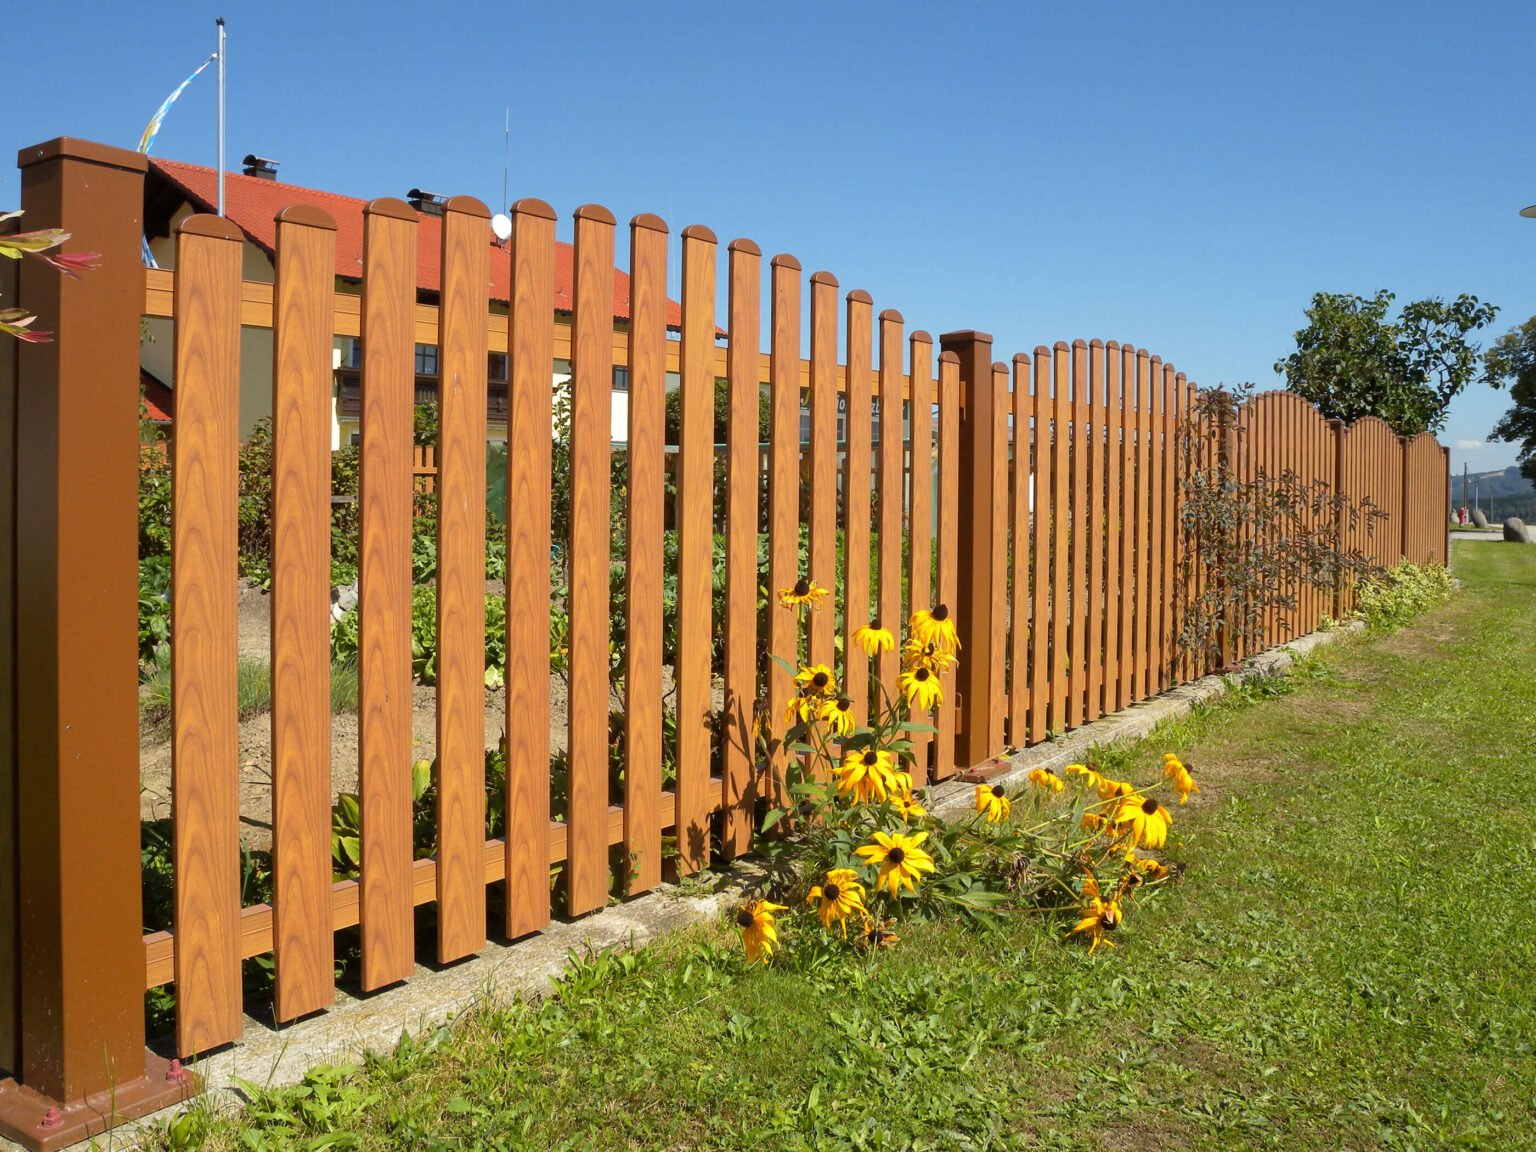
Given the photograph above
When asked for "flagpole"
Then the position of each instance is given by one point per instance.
(220, 23)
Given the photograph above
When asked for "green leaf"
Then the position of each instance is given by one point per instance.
(772, 817)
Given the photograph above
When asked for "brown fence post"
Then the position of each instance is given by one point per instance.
(83, 1065)
(981, 716)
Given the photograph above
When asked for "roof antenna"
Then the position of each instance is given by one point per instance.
(501, 223)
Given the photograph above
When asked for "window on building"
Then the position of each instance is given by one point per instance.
(352, 353)
(426, 359)
(620, 379)
(496, 367)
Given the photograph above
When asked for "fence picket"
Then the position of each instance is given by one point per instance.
(1018, 604)
(949, 547)
(384, 592)
(204, 712)
(461, 582)
(783, 503)
(645, 516)
(301, 627)
(891, 425)
(1077, 520)
(695, 523)
(738, 796)
(823, 495)
(1061, 497)
(1041, 405)
(855, 501)
(920, 534)
(1094, 453)
(1114, 526)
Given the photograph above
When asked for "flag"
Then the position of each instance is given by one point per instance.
(153, 126)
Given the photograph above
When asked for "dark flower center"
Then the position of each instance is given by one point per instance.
(745, 918)
(801, 588)
(896, 855)
(1149, 807)
(921, 675)
(1110, 919)
(871, 758)
(997, 790)
(940, 613)
(831, 892)
(844, 704)
(819, 680)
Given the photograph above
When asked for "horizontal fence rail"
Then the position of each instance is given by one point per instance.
(1042, 499)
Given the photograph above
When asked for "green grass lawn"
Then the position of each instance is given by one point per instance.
(1348, 962)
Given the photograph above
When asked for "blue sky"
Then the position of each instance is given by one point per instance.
(1182, 176)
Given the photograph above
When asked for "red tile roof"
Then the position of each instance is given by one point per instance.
(253, 204)
(158, 404)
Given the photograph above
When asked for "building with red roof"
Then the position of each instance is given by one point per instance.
(252, 200)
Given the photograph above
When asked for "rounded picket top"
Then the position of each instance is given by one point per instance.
(1022, 358)
(824, 278)
(392, 207)
(921, 336)
(467, 206)
(891, 316)
(650, 222)
(210, 225)
(1095, 343)
(594, 212)
(859, 296)
(1062, 346)
(700, 232)
(1112, 346)
(533, 206)
(785, 260)
(743, 245)
(307, 215)
(1076, 344)
(949, 358)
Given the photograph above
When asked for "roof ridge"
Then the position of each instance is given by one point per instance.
(356, 200)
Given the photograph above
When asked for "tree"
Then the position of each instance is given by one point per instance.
(1513, 358)
(1352, 360)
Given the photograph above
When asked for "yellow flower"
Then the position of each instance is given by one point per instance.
(900, 858)
(1143, 869)
(1046, 781)
(838, 715)
(802, 706)
(758, 934)
(1098, 916)
(816, 680)
(876, 934)
(1089, 777)
(921, 687)
(993, 800)
(838, 897)
(868, 774)
(1114, 789)
(934, 628)
(1178, 778)
(874, 639)
(1145, 820)
(908, 807)
(804, 592)
(1093, 822)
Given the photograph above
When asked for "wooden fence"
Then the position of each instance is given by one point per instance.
(1059, 500)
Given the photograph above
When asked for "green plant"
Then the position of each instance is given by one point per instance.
(18, 322)
(154, 610)
(1394, 598)
(1262, 540)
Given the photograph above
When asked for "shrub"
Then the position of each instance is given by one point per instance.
(1388, 601)
(344, 637)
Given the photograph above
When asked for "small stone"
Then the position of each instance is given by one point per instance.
(343, 600)
(1478, 518)
(1515, 531)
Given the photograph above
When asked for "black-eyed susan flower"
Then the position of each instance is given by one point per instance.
(816, 680)
(758, 934)
(907, 806)
(1094, 822)
(1085, 775)
(921, 688)
(876, 933)
(868, 774)
(837, 897)
(803, 594)
(838, 716)
(1145, 868)
(992, 800)
(874, 639)
(1098, 916)
(1046, 781)
(935, 627)
(900, 859)
(1178, 778)
(803, 708)
(1114, 789)
(1144, 820)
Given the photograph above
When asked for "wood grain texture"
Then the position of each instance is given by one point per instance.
(997, 584)
(1125, 686)
(1155, 564)
(1061, 497)
(695, 520)
(1018, 611)
(1077, 582)
(461, 920)
(10, 891)
(530, 398)
(823, 404)
(738, 753)
(949, 547)
(1143, 513)
(591, 435)
(920, 537)
(891, 489)
(1113, 526)
(1094, 453)
(205, 754)
(643, 577)
(783, 505)
(1043, 413)
(384, 593)
(856, 503)
(301, 625)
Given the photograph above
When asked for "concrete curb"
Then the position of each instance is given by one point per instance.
(275, 1057)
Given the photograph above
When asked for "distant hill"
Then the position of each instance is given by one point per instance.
(1499, 494)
